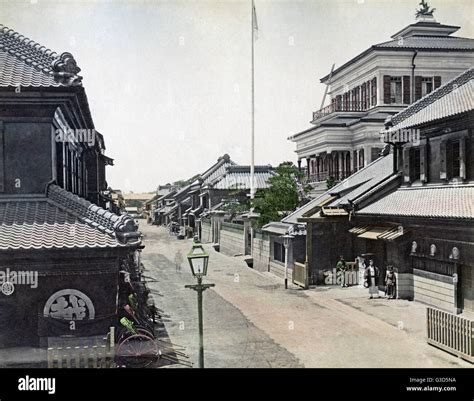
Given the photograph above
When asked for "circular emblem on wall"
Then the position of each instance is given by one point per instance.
(8, 288)
(69, 304)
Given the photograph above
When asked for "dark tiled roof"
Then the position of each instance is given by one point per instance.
(428, 42)
(440, 202)
(61, 220)
(352, 186)
(27, 63)
(452, 98)
(238, 177)
(375, 175)
(217, 169)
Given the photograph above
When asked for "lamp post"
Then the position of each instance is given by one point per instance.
(286, 243)
(198, 260)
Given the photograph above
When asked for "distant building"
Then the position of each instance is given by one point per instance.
(375, 84)
(137, 201)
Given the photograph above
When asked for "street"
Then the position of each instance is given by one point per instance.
(251, 321)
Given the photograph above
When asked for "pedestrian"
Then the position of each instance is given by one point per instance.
(341, 268)
(178, 259)
(390, 283)
(371, 277)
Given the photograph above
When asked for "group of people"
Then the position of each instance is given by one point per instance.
(371, 278)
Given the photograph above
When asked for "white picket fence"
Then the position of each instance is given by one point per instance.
(452, 333)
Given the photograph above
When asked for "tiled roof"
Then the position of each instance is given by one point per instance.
(27, 63)
(452, 98)
(217, 169)
(383, 170)
(428, 42)
(349, 188)
(238, 177)
(61, 220)
(441, 202)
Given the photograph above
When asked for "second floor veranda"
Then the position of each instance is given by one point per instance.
(342, 106)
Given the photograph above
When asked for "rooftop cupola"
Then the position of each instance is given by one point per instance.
(425, 25)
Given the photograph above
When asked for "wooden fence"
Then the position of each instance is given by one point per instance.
(94, 352)
(299, 275)
(451, 333)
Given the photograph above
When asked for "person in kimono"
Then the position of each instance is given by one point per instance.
(371, 277)
(341, 268)
(390, 283)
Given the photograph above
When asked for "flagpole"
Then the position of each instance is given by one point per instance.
(252, 142)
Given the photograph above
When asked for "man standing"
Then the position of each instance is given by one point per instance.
(371, 277)
(341, 270)
(178, 259)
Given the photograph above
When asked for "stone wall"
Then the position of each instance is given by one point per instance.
(261, 252)
(232, 239)
(433, 289)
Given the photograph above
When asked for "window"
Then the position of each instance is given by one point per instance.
(415, 164)
(278, 252)
(426, 86)
(453, 158)
(395, 89)
(60, 164)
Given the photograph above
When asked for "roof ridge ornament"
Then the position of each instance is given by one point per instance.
(424, 10)
(65, 69)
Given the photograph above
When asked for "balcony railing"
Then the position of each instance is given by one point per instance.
(341, 106)
(324, 175)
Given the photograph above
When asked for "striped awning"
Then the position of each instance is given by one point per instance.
(383, 233)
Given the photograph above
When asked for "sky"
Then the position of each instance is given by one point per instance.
(168, 82)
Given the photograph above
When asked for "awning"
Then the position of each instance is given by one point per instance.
(337, 211)
(171, 210)
(276, 228)
(196, 211)
(383, 233)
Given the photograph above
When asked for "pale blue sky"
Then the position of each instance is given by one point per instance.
(168, 82)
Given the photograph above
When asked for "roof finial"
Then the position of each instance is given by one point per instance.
(424, 10)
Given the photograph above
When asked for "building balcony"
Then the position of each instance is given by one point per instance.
(324, 175)
(353, 106)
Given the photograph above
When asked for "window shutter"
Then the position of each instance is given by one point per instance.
(374, 91)
(2, 158)
(406, 89)
(437, 82)
(338, 102)
(449, 160)
(417, 87)
(442, 157)
(424, 163)
(386, 89)
(406, 164)
(462, 155)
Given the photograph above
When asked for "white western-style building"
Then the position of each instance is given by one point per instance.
(379, 82)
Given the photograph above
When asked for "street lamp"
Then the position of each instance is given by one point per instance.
(286, 243)
(198, 260)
